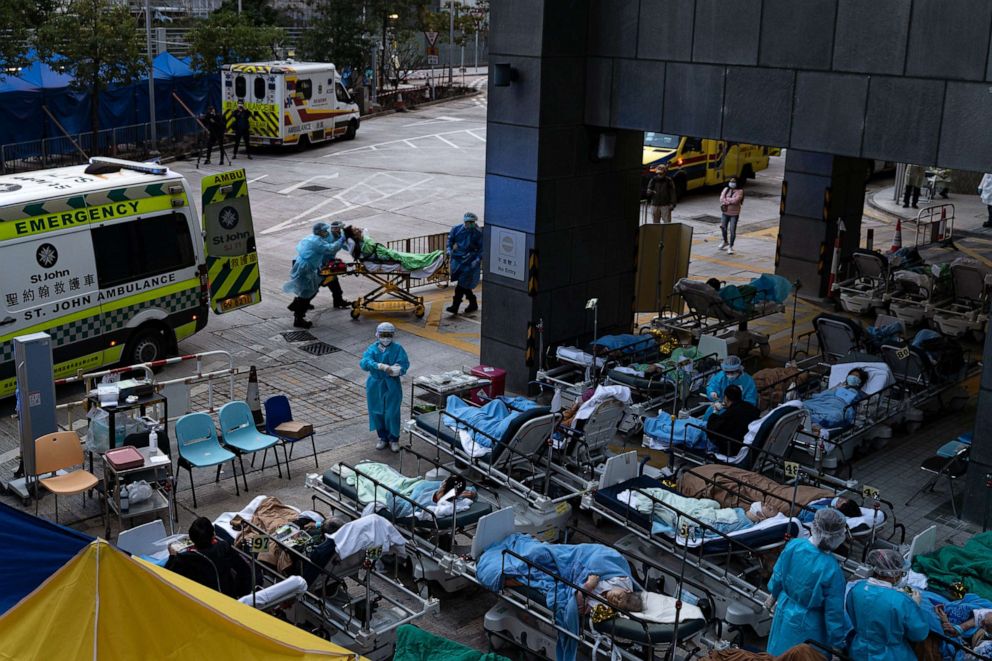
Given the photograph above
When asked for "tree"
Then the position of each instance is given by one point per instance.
(226, 37)
(338, 34)
(19, 18)
(97, 43)
(258, 12)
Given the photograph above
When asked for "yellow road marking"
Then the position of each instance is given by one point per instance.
(974, 254)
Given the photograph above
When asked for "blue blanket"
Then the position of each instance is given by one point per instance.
(626, 344)
(958, 612)
(572, 562)
(684, 435)
(833, 408)
(492, 419)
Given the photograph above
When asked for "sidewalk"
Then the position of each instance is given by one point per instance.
(969, 210)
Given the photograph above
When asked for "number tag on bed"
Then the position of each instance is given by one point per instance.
(869, 492)
(684, 529)
(791, 469)
(259, 544)
(903, 353)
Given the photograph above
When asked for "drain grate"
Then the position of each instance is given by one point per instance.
(298, 336)
(313, 188)
(320, 348)
(707, 218)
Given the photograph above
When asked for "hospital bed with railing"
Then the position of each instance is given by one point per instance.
(578, 369)
(355, 601)
(868, 290)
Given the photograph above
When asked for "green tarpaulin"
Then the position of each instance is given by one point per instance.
(970, 564)
(413, 644)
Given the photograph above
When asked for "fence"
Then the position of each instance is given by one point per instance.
(174, 136)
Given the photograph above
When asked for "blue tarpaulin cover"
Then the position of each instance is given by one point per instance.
(32, 549)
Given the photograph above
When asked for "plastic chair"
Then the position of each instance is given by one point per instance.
(238, 432)
(61, 450)
(196, 439)
(277, 414)
(952, 469)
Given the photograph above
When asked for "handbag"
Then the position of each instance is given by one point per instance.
(723, 208)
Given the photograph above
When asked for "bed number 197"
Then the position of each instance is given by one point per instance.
(259, 544)
(869, 492)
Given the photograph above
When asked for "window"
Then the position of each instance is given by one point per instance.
(661, 140)
(343, 96)
(240, 87)
(259, 87)
(138, 249)
(693, 144)
(304, 88)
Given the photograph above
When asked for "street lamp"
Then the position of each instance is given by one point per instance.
(151, 72)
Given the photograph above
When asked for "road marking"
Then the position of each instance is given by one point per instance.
(443, 139)
(290, 189)
(410, 144)
(378, 199)
(469, 131)
(251, 181)
(436, 120)
(405, 140)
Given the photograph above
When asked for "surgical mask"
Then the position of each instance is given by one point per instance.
(732, 376)
(732, 184)
(853, 381)
(385, 341)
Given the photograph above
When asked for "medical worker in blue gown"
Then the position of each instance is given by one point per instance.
(886, 620)
(386, 362)
(731, 373)
(807, 588)
(304, 278)
(465, 256)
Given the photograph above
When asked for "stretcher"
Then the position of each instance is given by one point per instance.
(578, 369)
(523, 618)
(393, 285)
(867, 291)
(353, 601)
(910, 297)
(710, 314)
(967, 311)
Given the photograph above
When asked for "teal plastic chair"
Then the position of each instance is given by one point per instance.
(196, 438)
(239, 434)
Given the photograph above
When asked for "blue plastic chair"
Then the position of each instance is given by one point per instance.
(196, 438)
(238, 432)
(278, 411)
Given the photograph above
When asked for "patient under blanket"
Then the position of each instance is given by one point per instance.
(416, 489)
(736, 487)
(660, 504)
(661, 433)
(478, 426)
(834, 407)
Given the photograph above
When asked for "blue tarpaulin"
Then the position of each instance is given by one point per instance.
(32, 549)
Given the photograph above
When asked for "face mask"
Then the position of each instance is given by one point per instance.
(732, 184)
(732, 376)
(385, 341)
(853, 381)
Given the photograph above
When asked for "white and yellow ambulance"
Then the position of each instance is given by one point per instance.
(110, 260)
(291, 103)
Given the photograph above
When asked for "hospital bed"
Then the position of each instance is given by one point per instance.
(353, 601)
(967, 311)
(710, 314)
(523, 618)
(910, 297)
(868, 290)
(578, 369)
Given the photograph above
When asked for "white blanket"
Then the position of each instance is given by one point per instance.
(603, 394)
(577, 356)
(279, 592)
(660, 608)
(367, 532)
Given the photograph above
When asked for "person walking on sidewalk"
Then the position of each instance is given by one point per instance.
(465, 255)
(731, 200)
(242, 127)
(662, 195)
(304, 277)
(985, 191)
(915, 176)
(385, 361)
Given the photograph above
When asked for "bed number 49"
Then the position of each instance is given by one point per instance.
(791, 469)
(869, 492)
(259, 544)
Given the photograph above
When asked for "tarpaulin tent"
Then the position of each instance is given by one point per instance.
(19, 109)
(415, 644)
(105, 605)
(32, 549)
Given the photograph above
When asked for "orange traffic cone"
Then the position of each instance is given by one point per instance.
(252, 398)
(897, 239)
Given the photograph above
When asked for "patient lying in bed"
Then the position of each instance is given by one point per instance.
(481, 427)
(440, 498)
(835, 407)
(667, 509)
(367, 249)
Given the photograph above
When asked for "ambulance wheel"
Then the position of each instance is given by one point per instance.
(355, 313)
(681, 185)
(352, 130)
(418, 311)
(303, 143)
(747, 172)
(146, 345)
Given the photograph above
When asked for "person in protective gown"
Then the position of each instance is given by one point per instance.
(385, 361)
(807, 588)
(304, 277)
(465, 256)
(886, 620)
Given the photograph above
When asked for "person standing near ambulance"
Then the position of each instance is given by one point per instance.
(385, 361)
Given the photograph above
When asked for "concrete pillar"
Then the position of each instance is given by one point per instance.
(817, 190)
(976, 506)
(561, 221)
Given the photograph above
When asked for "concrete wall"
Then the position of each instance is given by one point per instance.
(898, 80)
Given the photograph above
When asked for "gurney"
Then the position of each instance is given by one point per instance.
(577, 368)
(439, 542)
(581, 445)
(524, 618)
(910, 297)
(352, 602)
(711, 314)
(967, 311)
(867, 291)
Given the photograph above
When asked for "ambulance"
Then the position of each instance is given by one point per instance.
(110, 260)
(697, 162)
(291, 103)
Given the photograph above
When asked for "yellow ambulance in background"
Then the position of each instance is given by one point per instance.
(697, 162)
